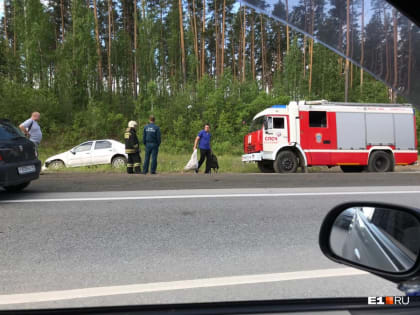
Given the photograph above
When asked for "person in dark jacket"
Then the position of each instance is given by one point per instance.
(151, 140)
(132, 149)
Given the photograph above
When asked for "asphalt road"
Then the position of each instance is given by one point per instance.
(82, 182)
(133, 246)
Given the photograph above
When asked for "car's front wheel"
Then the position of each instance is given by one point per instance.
(286, 162)
(56, 164)
(118, 161)
(16, 188)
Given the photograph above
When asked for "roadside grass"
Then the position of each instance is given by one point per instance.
(175, 162)
(167, 163)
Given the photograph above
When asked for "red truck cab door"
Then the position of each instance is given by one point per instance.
(318, 136)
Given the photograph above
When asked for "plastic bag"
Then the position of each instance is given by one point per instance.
(193, 162)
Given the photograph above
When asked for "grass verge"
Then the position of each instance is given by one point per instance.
(167, 163)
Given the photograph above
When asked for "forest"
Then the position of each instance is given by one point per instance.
(89, 66)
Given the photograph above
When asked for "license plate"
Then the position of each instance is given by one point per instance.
(22, 170)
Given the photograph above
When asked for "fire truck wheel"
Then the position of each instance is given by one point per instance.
(380, 161)
(286, 162)
(352, 168)
(266, 166)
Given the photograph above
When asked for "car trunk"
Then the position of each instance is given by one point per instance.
(17, 150)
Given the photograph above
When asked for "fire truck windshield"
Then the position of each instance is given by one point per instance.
(257, 124)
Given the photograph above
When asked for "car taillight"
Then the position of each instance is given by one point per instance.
(1, 158)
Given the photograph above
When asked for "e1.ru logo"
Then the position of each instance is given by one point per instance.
(389, 300)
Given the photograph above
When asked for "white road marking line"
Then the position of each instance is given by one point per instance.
(341, 193)
(175, 285)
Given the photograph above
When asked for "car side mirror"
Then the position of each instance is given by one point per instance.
(379, 238)
(73, 152)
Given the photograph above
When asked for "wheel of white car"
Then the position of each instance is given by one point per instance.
(56, 164)
(118, 161)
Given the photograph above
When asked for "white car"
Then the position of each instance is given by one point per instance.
(94, 152)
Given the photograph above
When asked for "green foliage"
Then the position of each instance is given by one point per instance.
(57, 74)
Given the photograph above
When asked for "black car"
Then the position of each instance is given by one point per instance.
(19, 164)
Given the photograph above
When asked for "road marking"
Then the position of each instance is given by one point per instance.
(48, 296)
(254, 195)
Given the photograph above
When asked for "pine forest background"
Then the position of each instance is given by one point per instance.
(89, 66)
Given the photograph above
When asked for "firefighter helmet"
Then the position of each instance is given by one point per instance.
(132, 124)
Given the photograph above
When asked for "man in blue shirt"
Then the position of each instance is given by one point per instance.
(151, 140)
(204, 137)
(31, 128)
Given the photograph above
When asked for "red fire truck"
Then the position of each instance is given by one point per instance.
(353, 136)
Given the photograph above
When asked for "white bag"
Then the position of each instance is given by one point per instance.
(193, 162)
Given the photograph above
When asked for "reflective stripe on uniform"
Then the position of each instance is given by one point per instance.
(126, 135)
(130, 151)
(137, 164)
(129, 165)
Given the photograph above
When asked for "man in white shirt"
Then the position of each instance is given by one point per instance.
(31, 128)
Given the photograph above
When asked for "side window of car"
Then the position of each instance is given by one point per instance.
(84, 147)
(99, 145)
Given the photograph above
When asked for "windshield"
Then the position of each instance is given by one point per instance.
(257, 124)
(9, 132)
(372, 34)
(150, 183)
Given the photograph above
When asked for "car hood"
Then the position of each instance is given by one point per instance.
(60, 156)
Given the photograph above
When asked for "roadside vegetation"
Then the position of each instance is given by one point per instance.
(89, 72)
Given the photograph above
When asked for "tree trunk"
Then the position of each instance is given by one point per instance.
(233, 54)
(278, 48)
(14, 29)
(203, 54)
(217, 40)
(386, 47)
(262, 52)
(346, 87)
(62, 19)
(194, 29)
(109, 46)
(135, 49)
(98, 46)
(253, 45)
(409, 58)
(162, 53)
(287, 28)
(222, 56)
(181, 31)
(311, 47)
(6, 39)
(304, 39)
(352, 44)
(243, 45)
(362, 45)
(143, 9)
(304, 56)
(240, 45)
(394, 17)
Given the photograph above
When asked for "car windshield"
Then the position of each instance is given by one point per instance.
(9, 132)
(145, 178)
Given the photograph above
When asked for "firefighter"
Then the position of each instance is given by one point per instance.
(132, 149)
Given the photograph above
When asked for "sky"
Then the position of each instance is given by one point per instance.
(1, 8)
